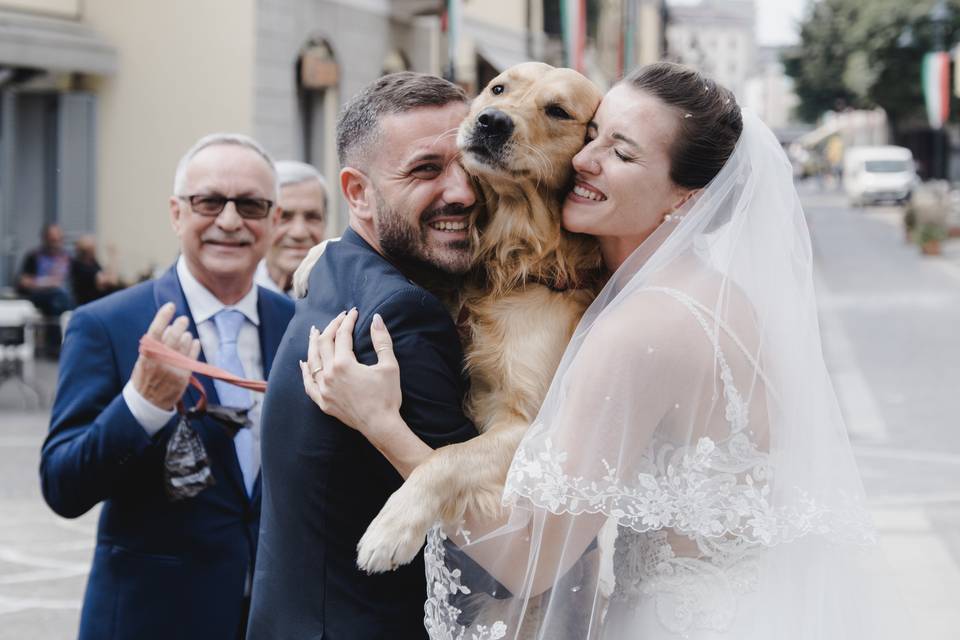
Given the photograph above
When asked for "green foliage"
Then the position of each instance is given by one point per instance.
(910, 218)
(865, 54)
(929, 232)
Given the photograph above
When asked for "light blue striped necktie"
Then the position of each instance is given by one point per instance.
(229, 322)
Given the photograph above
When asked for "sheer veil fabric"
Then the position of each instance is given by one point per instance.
(689, 474)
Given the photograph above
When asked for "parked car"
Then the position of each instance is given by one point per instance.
(878, 174)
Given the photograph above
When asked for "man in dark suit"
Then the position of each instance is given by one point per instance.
(167, 568)
(410, 204)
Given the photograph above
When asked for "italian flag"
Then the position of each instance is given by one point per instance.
(451, 24)
(573, 15)
(936, 87)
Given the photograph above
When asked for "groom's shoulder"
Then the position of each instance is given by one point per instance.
(373, 282)
(349, 262)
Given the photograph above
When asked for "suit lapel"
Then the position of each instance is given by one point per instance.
(167, 289)
(271, 332)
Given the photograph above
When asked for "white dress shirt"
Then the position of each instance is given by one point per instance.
(203, 306)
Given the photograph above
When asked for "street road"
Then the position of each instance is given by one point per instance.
(891, 328)
(890, 322)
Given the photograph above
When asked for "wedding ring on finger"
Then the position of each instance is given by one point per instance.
(313, 374)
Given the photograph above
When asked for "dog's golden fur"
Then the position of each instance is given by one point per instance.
(532, 282)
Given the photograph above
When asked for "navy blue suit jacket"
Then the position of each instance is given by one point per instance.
(161, 569)
(323, 482)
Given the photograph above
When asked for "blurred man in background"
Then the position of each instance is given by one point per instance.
(91, 280)
(44, 277)
(303, 218)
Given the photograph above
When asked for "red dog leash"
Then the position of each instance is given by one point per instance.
(153, 348)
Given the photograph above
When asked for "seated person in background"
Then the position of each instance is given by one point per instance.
(89, 279)
(45, 272)
(303, 205)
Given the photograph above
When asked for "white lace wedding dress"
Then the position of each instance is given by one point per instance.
(689, 561)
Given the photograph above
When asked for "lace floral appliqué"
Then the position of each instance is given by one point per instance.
(441, 616)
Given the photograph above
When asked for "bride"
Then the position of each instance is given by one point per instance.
(689, 473)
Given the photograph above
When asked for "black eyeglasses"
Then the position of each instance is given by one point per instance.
(212, 205)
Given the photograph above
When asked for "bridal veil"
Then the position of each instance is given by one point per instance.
(689, 474)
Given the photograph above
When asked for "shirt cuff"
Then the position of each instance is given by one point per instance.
(151, 417)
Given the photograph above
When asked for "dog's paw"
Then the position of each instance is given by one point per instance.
(397, 533)
(301, 276)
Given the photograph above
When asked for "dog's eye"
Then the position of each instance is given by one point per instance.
(496, 89)
(557, 112)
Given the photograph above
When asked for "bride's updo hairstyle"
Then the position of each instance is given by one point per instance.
(708, 114)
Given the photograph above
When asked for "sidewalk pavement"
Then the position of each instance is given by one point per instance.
(44, 559)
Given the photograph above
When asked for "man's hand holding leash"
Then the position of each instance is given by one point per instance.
(158, 383)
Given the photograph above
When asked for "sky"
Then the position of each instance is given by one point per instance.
(776, 19)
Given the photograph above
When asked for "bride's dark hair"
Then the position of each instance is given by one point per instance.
(709, 117)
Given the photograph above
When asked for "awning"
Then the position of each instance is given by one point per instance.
(818, 135)
(501, 58)
(53, 44)
(499, 46)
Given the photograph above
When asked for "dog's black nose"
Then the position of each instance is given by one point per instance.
(494, 125)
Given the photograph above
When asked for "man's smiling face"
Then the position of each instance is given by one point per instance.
(424, 198)
(225, 247)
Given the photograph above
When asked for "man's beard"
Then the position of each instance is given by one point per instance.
(408, 244)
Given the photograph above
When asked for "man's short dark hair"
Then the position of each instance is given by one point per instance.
(358, 126)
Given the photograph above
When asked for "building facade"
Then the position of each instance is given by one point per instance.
(769, 91)
(718, 38)
(48, 122)
(496, 34)
(98, 100)
(622, 35)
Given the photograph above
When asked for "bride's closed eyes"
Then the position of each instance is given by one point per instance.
(623, 156)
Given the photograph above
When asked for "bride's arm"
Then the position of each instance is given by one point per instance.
(367, 398)
(619, 387)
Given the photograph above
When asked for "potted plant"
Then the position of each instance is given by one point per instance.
(929, 236)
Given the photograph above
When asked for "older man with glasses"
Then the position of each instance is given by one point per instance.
(181, 501)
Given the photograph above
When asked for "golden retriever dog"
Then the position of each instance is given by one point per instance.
(531, 283)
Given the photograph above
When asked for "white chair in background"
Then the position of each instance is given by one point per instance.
(18, 322)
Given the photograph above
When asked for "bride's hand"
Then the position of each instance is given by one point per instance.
(366, 398)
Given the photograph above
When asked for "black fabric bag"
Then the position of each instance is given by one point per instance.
(186, 467)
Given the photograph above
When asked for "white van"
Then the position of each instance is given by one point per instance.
(877, 174)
